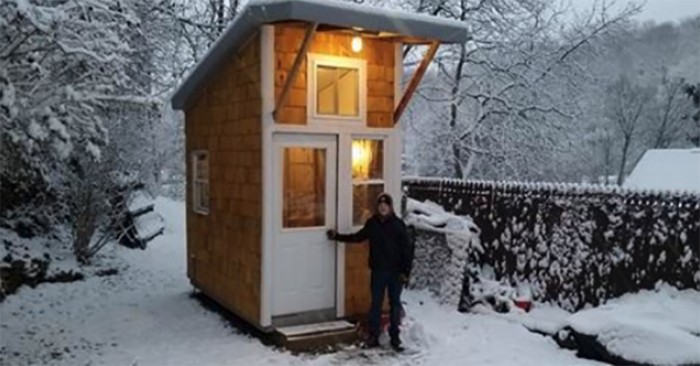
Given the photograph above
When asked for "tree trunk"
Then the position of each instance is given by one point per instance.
(220, 19)
(661, 140)
(471, 160)
(84, 225)
(457, 162)
(454, 113)
(623, 161)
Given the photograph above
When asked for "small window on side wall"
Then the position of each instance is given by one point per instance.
(367, 177)
(200, 181)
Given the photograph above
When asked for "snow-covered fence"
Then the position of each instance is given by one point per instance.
(577, 244)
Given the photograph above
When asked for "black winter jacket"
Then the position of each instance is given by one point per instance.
(389, 246)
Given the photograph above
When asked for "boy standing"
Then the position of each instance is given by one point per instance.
(390, 261)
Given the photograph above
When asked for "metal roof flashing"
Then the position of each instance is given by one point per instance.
(259, 12)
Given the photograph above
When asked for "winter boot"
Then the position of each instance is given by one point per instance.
(372, 342)
(396, 344)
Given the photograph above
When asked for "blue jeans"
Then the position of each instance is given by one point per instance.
(381, 280)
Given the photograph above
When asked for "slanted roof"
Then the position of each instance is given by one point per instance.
(414, 28)
(669, 169)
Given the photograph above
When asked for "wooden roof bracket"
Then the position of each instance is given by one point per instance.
(415, 80)
(308, 37)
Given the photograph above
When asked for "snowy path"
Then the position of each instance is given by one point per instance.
(144, 316)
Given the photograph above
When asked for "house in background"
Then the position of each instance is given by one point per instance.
(667, 169)
(291, 125)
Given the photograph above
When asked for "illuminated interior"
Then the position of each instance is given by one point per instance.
(367, 177)
(360, 158)
(304, 187)
(337, 91)
(367, 159)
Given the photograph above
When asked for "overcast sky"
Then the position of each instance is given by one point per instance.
(657, 10)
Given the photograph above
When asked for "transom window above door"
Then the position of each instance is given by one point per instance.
(336, 88)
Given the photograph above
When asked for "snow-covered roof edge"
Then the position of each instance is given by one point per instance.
(259, 12)
(666, 169)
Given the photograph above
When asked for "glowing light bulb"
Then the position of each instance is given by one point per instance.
(356, 44)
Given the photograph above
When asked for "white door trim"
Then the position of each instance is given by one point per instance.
(267, 90)
(329, 143)
(344, 201)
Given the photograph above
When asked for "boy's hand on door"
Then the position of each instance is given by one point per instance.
(331, 234)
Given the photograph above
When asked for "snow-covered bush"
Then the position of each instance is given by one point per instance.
(441, 253)
(576, 244)
(64, 66)
(77, 112)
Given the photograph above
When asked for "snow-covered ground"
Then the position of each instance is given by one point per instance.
(660, 327)
(144, 315)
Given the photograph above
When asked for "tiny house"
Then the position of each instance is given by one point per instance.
(291, 125)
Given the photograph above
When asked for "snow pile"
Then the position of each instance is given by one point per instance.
(444, 242)
(414, 334)
(660, 327)
(545, 319)
(31, 261)
(453, 338)
(483, 290)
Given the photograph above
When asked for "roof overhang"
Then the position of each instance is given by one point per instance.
(399, 25)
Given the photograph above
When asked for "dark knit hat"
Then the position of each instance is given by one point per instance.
(386, 198)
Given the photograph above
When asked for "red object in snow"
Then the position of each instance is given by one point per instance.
(524, 304)
(363, 327)
(386, 322)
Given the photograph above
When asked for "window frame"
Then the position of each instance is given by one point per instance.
(325, 186)
(197, 205)
(315, 60)
(356, 182)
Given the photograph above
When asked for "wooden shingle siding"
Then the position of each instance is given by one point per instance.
(380, 72)
(357, 295)
(224, 247)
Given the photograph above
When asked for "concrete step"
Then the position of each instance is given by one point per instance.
(317, 336)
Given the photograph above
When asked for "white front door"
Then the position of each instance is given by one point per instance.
(304, 209)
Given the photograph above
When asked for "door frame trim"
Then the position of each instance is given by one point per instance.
(267, 91)
(312, 140)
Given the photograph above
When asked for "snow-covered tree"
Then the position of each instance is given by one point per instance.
(73, 74)
(693, 136)
(63, 65)
(625, 106)
(671, 118)
(504, 98)
(654, 57)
